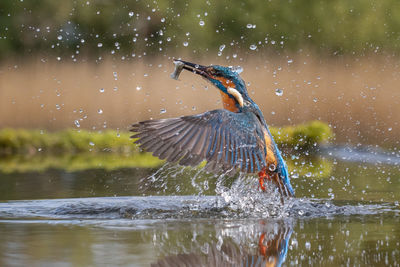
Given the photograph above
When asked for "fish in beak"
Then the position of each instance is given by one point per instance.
(195, 68)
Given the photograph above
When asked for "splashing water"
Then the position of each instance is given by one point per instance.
(246, 198)
(238, 194)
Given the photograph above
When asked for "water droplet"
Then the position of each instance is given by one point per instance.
(315, 100)
(91, 143)
(58, 107)
(77, 124)
(131, 14)
(99, 45)
(162, 111)
(162, 19)
(237, 69)
(249, 26)
(59, 37)
(115, 75)
(272, 167)
(138, 88)
(100, 111)
(201, 23)
(185, 43)
(221, 47)
(115, 88)
(101, 90)
(253, 47)
(290, 61)
(278, 92)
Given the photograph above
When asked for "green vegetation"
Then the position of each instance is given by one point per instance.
(125, 27)
(310, 167)
(314, 167)
(23, 142)
(77, 162)
(34, 150)
(307, 136)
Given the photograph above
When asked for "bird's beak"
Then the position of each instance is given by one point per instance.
(195, 68)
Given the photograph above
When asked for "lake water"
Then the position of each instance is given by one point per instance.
(346, 212)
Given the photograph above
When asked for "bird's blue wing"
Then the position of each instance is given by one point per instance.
(226, 140)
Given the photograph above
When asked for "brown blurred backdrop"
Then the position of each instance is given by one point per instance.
(359, 97)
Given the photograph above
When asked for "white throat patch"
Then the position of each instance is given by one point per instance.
(236, 95)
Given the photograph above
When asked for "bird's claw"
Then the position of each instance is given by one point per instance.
(262, 183)
(262, 176)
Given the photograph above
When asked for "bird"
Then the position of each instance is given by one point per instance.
(273, 245)
(235, 138)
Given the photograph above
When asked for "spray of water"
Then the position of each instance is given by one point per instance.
(239, 193)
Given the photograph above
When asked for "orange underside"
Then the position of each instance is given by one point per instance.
(269, 159)
(228, 102)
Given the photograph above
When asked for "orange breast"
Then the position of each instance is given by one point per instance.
(270, 158)
(228, 102)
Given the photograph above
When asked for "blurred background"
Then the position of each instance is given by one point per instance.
(100, 64)
(75, 74)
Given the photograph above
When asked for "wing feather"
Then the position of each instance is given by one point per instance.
(227, 140)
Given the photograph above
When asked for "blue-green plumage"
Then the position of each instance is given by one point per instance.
(234, 138)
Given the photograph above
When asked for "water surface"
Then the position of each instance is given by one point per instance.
(345, 213)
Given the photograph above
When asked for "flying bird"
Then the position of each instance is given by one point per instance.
(235, 138)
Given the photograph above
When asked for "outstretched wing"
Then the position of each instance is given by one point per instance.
(227, 140)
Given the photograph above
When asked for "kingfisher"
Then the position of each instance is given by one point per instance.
(235, 138)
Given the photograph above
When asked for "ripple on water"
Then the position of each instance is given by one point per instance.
(235, 198)
(181, 207)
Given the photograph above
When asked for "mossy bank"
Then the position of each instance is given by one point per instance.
(306, 136)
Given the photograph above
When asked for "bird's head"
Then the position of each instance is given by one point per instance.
(226, 79)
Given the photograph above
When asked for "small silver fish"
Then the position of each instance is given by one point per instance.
(178, 69)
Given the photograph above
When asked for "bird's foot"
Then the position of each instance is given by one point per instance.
(262, 183)
(262, 176)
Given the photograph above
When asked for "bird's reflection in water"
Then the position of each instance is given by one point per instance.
(263, 243)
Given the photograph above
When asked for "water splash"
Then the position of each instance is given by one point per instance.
(246, 198)
(175, 207)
